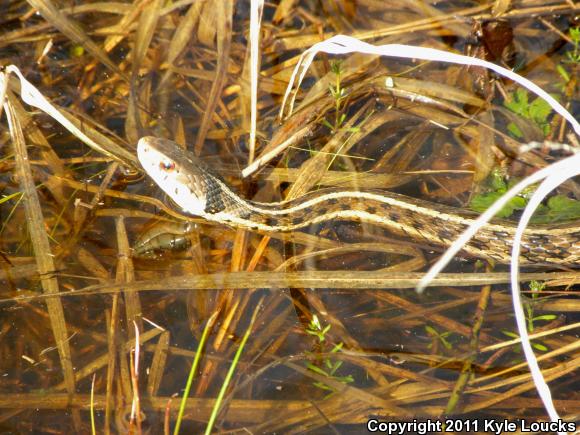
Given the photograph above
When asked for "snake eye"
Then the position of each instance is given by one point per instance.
(167, 166)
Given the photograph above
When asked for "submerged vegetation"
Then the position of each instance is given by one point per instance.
(204, 327)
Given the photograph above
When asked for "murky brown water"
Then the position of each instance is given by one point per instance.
(331, 329)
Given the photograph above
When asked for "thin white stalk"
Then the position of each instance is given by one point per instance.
(553, 175)
(257, 7)
(485, 217)
(135, 405)
(342, 44)
(32, 96)
(570, 168)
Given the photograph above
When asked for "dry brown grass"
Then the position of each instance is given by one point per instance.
(119, 71)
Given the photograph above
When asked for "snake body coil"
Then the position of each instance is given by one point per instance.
(194, 188)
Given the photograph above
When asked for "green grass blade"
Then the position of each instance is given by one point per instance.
(192, 372)
(230, 373)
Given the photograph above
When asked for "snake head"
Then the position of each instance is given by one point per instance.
(179, 173)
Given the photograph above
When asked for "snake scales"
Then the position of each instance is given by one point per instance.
(198, 191)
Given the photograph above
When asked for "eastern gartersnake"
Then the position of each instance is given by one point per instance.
(199, 192)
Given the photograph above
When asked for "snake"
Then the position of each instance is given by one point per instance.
(198, 191)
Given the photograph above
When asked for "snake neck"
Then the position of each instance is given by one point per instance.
(416, 219)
